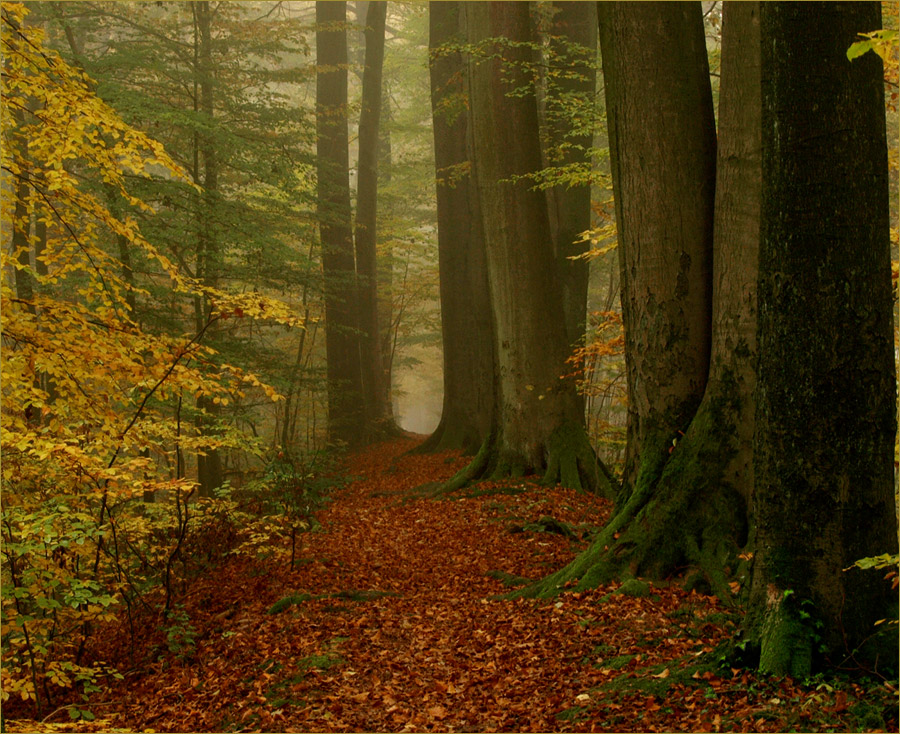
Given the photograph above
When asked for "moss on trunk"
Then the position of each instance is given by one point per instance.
(568, 460)
(681, 516)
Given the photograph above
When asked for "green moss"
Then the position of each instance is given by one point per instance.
(288, 601)
(616, 663)
(785, 642)
(368, 595)
(478, 490)
(548, 524)
(634, 587)
(507, 579)
(323, 661)
(572, 462)
(573, 713)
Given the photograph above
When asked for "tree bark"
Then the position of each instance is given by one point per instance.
(378, 414)
(662, 143)
(539, 425)
(345, 414)
(466, 328)
(209, 465)
(826, 389)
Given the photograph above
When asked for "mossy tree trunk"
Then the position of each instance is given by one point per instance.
(466, 326)
(688, 508)
(539, 422)
(826, 391)
(662, 141)
(345, 418)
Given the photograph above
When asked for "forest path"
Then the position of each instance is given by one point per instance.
(402, 632)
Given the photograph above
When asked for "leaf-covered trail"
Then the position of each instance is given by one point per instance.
(401, 632)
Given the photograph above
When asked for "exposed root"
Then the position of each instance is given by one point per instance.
(680, 516)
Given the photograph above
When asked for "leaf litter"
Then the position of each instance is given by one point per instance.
(393, 620)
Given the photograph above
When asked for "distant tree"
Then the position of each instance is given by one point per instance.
(570, 90)
(539, 424)
(378, 414)
(825, 425)
(465, 303)
(345, 407)
(209, 249)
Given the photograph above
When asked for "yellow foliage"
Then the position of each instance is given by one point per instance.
(91, 401)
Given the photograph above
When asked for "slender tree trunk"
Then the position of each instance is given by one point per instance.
(539, 424)
(377, 413)
(465, 302)
(209, 466)
(826, 393)
(385, 262)
(338, 264)
(22, 249)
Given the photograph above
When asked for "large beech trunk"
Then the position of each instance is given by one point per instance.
(662, 143)
(539, 425)
(688, 508)
(826, 392)
(465, 302)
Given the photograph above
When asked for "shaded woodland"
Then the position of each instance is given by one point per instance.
(370, 340)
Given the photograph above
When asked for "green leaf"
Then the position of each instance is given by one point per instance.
(858, 49)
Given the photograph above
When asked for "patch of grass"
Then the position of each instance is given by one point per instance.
(494, 506)
(647, 680)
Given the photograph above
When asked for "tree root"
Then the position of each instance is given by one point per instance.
(570, 462)
(680, 516)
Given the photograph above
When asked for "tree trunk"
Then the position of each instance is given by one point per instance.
(693, 515)
(338, 263)
(378, 415)
(662, 142)
(826, 392)
(465, 302)
(209, 466)
(573, 51)
(539, 424)
(22, 249)
(385, 262)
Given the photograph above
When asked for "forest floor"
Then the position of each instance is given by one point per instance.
(392, 621)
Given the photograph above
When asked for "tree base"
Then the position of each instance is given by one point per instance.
(570, 462)
(680, 517)
(449, 436)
